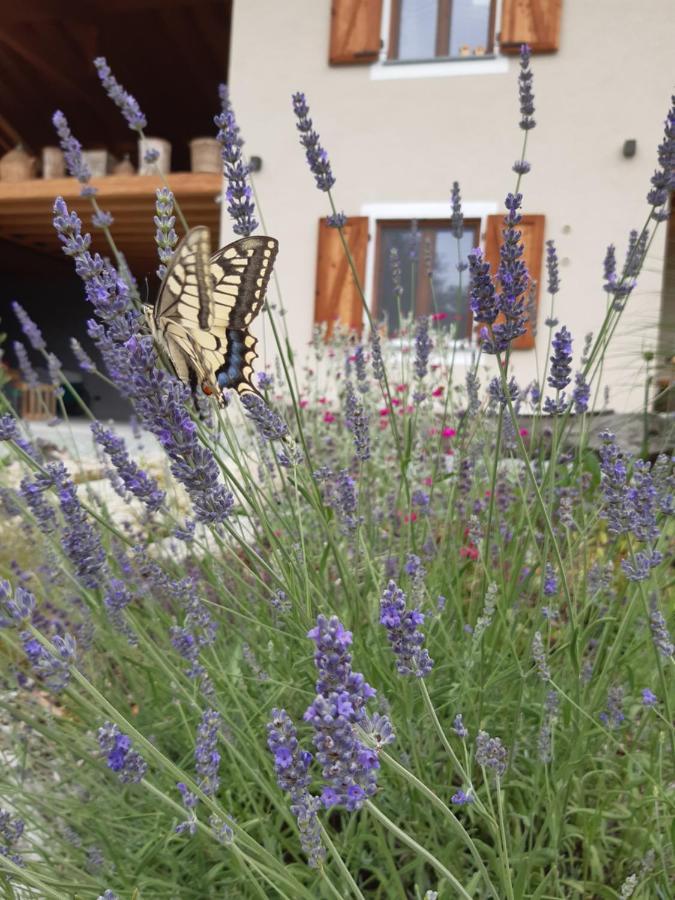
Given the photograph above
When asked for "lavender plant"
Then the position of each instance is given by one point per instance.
(367, 637)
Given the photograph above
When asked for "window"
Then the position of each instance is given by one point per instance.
(430, 241)
(441, 29)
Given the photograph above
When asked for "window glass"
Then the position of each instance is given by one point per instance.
(417, 29)
(469, 25)
(418, 296)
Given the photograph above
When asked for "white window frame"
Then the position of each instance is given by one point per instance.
(392, 70)
(465, 351)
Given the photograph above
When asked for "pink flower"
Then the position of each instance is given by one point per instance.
(449, 432)
(428, 481)
(328, 417)
(395, 401)
(400, 388)
(384, 411)
(437, 392)
(303, 404)
(523, 432)
(438, 317)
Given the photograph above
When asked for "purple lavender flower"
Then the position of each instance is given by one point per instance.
(121, 98)
(609, 269)
(361, 369)
(129, 765)
(52, 671)
(457, 219)
(207, 757)
(581, 393)
(265, 381)
(482, 293)
(521, 167)
(376, 356)
(165, 235)
(108, 894)
(32, 491)
(613, 716)
(28, 373)
(460, 798)
(316, 156)
(348, 765)
(343, 499)
(663, 179)
(423, 345)
(649, 698)
(525, 90)
(336, 220)
(198, 629)
(9, 431)
(497, 394)
(402, 632)
(660, 633)
(291, 767)
(19, 607)
(513, 280)
(491, 753)
(561, 360)
(11, 831)
(269, 423)
(356, 421)
(552, 268)
(29, 328)
(238, 194)
(72, 151)
(84, 361)
(135, 480)
(190, 801)
(80, 538)
(539, 656)
(550, 581)
(459, 728)
(102, 219)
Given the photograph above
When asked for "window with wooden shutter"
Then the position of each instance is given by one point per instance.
(532, 228)
(533, 22)
(338, 300)
(354, 32)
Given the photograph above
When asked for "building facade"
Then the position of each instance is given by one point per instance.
(434, 99)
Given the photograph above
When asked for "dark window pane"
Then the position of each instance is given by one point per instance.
(417, 29)
(469, 25)
(446, 279)
(417, 298)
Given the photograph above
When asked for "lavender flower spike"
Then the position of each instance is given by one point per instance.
(291, 767)
(491, 753)
(135, 480)
(457, 219)
(129, 765)
(29, 328)
(561, 360)
(238, 194)
(317, 157)
(121, 98)
(72, 151)
(406, 641)
(165, 236)
(348, 765)
(525, 90)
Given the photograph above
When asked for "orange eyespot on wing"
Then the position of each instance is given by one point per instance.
(207, 390)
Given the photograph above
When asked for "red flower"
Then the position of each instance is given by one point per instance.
(328, 417)
(469, 552)
(400, 388)
(524, 432)
(384, 411)
(428, 480)
(437, 392)
(410, 518)
(449, 432)
(323, 400)
(438, 317)
(303, 404)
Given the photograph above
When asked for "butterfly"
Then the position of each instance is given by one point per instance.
(204, 307)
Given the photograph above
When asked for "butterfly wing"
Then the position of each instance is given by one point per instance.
(241, 272)
(185, 296)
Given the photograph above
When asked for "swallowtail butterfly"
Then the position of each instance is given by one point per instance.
(205, 306)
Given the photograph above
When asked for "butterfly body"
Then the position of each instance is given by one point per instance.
(205, 306)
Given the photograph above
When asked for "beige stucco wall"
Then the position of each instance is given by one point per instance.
(407, 140)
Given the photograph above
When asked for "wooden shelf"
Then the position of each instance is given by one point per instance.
(26, 211)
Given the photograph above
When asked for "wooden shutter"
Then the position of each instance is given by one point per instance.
(337, 296)
(533, 22)
(532, 228)
(354, 32)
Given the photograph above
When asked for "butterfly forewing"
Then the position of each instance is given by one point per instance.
(185, 294)
(241, 272)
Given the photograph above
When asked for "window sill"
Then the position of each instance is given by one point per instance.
(394, 69)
